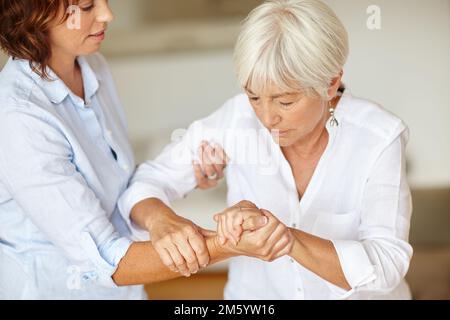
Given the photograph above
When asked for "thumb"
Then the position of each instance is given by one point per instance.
(254, 223)
(207, 233)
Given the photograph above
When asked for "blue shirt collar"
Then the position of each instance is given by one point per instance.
(56, 90)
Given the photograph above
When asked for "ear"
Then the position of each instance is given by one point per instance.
(335, 84)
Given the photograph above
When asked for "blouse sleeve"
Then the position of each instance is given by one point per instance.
(171, 175)
(380, 259)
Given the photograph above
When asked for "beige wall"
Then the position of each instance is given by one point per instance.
(404, 66)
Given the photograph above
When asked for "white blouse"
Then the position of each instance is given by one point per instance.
(358, 198)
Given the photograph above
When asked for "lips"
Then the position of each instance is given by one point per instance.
(280, 132)
(98, 34)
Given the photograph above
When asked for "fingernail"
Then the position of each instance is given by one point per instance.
(263, 220)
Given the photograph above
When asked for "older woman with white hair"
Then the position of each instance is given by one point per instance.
(329, 166)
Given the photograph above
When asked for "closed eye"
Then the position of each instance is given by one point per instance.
(88, 8)
(286, 104)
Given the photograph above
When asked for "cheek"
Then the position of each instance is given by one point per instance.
(63, 37)
(306, 117)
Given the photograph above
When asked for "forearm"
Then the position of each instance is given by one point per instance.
(145, 212)
(319, 256)
(142, 265)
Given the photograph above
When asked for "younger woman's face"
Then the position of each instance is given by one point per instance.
(84, 30)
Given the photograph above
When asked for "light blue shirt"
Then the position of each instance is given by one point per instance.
(63, 165)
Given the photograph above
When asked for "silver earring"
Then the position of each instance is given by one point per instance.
(333, 120)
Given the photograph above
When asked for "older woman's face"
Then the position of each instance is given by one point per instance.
(293, 114)
(85, 29)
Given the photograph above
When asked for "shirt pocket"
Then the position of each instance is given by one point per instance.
(337, 226)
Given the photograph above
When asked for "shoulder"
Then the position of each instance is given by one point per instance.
(228, 115)
(16, 86)
(370, 119)
(21, 88)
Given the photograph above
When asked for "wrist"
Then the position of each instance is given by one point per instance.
(217, 251)
(296, 243)
(149, 212)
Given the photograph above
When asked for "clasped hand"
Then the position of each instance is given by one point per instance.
(243, 229)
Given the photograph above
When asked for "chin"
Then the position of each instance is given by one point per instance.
(91, 50)
(284, 142)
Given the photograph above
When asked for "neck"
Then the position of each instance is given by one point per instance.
(312, 143)
(64, 66)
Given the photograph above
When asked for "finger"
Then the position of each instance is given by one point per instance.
(198, 244)
(283, 249)
(254, 223)
(220, 153)
(265, 232)
(219, 229)
(222, 237)
(277, 234)
(180, 263)
(237, 226)
(219, 170)
(207, 233)
(202, 181)
(247, 204)
(236, 217)
(208, 166)
(188, 254)
(205, 161)
(248, 213)
(230, 228)
(283, 241)
(227, 233)
(214, 159)
(166, 259)
(219, 161)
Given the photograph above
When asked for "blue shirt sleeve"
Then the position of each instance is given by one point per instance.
(37, 169)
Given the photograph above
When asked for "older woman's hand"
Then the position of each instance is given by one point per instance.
(232, 222)
(213, 161)
(267, 243)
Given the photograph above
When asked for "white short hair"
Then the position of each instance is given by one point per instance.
(292, 44)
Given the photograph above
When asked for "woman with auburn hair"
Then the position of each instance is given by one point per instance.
(64, 161)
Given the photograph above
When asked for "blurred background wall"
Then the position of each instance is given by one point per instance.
(172, 62)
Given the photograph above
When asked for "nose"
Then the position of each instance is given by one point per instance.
(104, 13)
(268, 117)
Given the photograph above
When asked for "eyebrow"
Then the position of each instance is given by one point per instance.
(275, 96)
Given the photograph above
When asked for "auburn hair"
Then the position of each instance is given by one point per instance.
(24, 30)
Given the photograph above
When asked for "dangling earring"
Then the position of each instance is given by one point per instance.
(333, 120)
